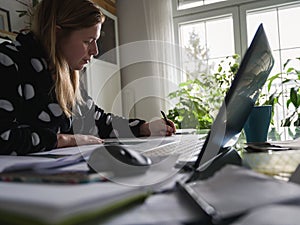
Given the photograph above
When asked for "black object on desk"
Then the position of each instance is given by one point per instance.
(119, 160)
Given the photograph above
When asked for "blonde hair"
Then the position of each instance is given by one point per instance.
(70, 15)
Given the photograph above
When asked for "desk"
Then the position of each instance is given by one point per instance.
(161, 208)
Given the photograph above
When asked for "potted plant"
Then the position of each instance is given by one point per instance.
(284, 92)
(199, 99)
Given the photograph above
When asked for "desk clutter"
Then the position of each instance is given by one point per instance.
(58, 188)
(54, 169)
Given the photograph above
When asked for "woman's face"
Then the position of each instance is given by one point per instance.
(79, 46)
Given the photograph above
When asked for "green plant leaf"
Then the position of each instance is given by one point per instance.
(271, 79)
(294, 96)
(286, 122)
(286, 63)
(297, 122)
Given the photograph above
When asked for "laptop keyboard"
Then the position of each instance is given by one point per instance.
(186, 149)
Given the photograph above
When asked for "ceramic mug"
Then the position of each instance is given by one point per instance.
(257, 125)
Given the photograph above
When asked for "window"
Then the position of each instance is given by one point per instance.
(210, 50)
(227, 27)
(186, 4)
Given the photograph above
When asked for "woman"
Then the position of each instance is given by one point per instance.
(41, 103)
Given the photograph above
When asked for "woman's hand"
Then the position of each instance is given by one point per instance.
(71, 140)
(157, 128)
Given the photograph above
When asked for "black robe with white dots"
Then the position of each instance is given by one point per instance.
(30, 117)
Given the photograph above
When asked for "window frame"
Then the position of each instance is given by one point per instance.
(238, 9)
(257, 5)
(208, 15)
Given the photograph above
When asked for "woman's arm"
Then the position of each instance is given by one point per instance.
(70, 140)
(95, 121)
(108, 125)
(157, 128)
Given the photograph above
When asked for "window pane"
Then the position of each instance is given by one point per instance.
(280, 27)
(289, 29)
(191, 33)
(291, 54)
(207, 2)
(192, 40)
(187, 4)
(220, 45)
(202, 42)
(269, 20)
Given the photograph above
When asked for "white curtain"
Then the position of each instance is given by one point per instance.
(159, 27)
(158, 14)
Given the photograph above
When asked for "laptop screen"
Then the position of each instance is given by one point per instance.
(241, 97)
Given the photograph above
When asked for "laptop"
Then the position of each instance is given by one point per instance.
(246, 86)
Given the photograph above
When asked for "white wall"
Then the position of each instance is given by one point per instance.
(17, 23)
(103, 85)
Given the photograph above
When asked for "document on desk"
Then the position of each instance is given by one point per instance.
(274, 145)
(40, 163)
(9, 161)
(59, 152)
(46, 160)
(235, 190)
(63, 204)
(66, 165)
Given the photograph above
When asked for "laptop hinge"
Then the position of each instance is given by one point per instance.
(229, 156)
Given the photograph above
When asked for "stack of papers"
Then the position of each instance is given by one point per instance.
(234, 190)
(46, 160)
(60, 169)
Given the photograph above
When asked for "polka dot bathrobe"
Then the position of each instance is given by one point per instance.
(30, 117)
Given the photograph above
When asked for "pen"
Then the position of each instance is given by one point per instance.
(165, 118)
